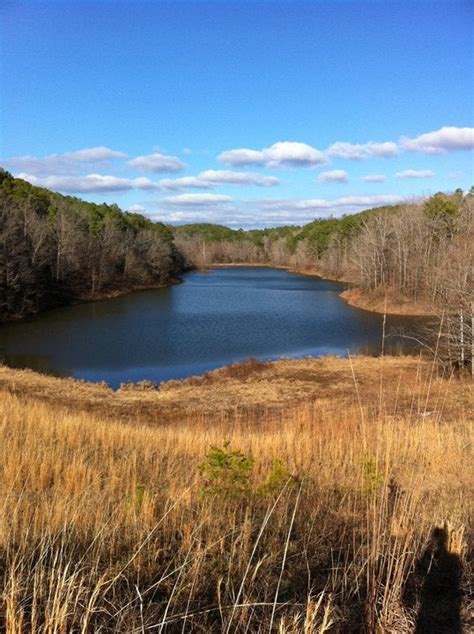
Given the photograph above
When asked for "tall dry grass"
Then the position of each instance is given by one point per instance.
(106, 527)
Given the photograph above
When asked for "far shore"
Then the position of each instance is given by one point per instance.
(382, 304)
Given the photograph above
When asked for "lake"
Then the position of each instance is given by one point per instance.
(211, 319)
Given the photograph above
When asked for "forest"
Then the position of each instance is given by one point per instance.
(57, 249)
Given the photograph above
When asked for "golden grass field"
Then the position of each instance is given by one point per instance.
(352, 513)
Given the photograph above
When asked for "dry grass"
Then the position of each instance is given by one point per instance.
(105, 525)
(247, 389)
(387, 302)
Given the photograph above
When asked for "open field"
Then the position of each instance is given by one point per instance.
(338, 498)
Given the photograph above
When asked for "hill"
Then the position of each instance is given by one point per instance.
(58, 249)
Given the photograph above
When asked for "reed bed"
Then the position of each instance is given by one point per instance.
(317, 518)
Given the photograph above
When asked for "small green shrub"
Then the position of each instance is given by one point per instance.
(226, 472)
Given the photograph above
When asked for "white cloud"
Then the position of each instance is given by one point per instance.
(294, 204)
(197, 199)
(283, 153)
(136, 209)
(210, 178)
(440, 141)
(415, 174)
(238, 178)
(90, 183)
(373, 178)
(95, 154)
(368, 201)
(66, 163)
(332, 206)
(242, 156)
(157, 162)
(300, 154)
(357, 151)
(190, 215)
(183, 183)
(334, 176)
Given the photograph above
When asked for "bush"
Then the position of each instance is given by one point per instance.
(243, 369)
(226, 472)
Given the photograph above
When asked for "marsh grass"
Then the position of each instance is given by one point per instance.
(104, 526)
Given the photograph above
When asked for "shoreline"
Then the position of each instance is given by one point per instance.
(85, 299)
(353, 296)
(385, 305)
(126, 291)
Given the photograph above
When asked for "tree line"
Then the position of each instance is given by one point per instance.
(56, 249)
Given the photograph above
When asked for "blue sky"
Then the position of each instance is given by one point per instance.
(245, 113)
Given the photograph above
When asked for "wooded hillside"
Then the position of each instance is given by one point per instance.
(55, 249)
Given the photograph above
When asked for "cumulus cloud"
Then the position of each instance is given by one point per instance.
(66, 163)
(373, 178)
(157, 162)
(90, 183)
(210, 178)
(357, 151)
(334, 176)
(283, 153)
(197, 199)
(300, 154)
(415, 174)
(440, 141)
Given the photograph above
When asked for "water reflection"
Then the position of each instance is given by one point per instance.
(212, 319)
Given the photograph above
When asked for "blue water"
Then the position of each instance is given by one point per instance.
(209, 320)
